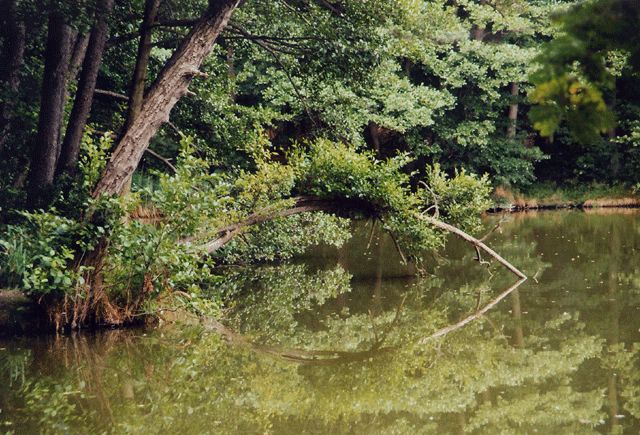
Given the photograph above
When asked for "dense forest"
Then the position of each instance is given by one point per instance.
(147, 144)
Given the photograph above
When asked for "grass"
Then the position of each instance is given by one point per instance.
(553, 195)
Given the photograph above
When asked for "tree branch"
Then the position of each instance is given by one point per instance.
(112, 94)
(161, 158)
(305, 204)
(475, 242)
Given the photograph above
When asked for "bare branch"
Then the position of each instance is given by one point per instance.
(458, 232)
(497, 226)
(270, 50)
(161, 158)
(112, 94)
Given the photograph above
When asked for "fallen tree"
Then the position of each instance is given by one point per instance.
(305, 204)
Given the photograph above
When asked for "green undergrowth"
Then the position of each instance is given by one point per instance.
(152, 265)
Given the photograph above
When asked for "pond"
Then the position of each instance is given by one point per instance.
(351, 341)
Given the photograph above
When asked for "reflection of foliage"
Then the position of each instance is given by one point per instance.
(276, 295)
(479, 379)
(285, 237)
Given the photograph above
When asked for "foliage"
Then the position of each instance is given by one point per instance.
(37, 256)
(599, 38)
(285, 238)
(317, 349)
(566, 98)
(388, 107)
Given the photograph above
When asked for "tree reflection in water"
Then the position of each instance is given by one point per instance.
(342, 344)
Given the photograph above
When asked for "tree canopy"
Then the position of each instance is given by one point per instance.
(144, 143)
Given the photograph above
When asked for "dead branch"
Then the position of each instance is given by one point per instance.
(112, 94)
(272, 52)
(162, 159)
(497, 226)
(477, 243)
(435, 206)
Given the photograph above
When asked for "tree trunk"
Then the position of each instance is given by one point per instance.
(75, 63)
(14, 38)
(86, 88)
(136, 91)
(47, 142)
(478, 33)
(168, 88)
(374, 135)
(231, 72)
(513, 111)
(77, 57)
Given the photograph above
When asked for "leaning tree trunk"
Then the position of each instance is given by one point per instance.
(168, 88)
(86, 89)
(75, 63)
(77, 56)
(47, 142)
(14, 38)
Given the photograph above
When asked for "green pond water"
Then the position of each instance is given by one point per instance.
(350, 341)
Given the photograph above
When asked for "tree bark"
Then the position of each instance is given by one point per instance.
(14, 38)
(77, 57)
(168, 88)
(47, 142)
(75, 63)
(86, 89)
(136, 91)
(374, 135)
(513, 111)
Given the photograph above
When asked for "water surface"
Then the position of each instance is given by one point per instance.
(343, 342)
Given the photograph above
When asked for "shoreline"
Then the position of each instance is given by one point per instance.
(20, 315)
(587, 205)
(557, 198)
